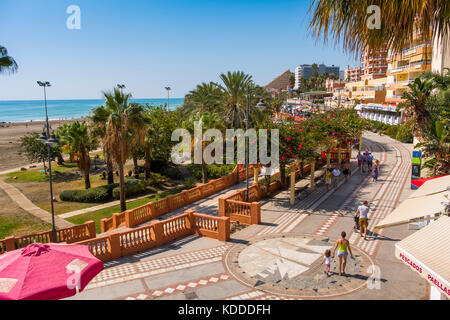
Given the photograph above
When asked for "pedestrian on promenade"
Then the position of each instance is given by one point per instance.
(359, 157)
(375, 172)
(364, 162)
(336, 174)
(363, 214)
(369, 161)
(343, 248)
(327, 259)
(346, 171)
(328, 178)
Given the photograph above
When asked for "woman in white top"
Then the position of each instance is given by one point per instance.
(336, 174)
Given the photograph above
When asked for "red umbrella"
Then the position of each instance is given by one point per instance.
(46, 271)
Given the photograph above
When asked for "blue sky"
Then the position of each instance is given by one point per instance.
(150, 44)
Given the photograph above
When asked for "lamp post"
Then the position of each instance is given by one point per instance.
(168, 97)
(50, 141)
(261, 106)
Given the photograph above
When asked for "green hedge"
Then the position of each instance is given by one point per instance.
(402, 133)
(104, 193)
(132, 187)
(94, 195)
(214, 171)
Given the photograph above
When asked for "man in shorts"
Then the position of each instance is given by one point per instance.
(363, 214)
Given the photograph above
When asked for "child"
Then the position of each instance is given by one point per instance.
(327, 260)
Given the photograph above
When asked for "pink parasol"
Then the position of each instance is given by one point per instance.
(46, 271)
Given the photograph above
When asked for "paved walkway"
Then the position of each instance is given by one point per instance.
(29, 207)
(281, 258)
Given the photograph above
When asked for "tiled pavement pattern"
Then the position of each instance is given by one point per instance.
(302, 209)
(181, 287)
(323, 229)
(157, 266)
(142, 275)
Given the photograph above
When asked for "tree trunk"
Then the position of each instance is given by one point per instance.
(300, 166)
(148, 161)
(123, 203)
(136, 166)
(109, 168)
(204, 172)
(87, 181)
(283, 175)
(60, 159)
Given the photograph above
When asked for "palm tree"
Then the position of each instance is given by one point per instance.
(436, 147)
(416, 98)
(347, 22)
(80, 144)
(208, 121)
(139, 127)
(99, 118)
(235, 89)
(205, 97)
(119, 136)
(7, 63)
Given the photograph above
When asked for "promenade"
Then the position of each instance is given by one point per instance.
(281, 258)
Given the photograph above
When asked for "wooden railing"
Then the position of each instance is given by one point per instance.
(152, 210)
(118, 244)
(67, 235)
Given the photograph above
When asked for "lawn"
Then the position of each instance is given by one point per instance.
(14, 221)
(108, 212)
(34, 185)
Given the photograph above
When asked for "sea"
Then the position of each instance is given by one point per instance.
(33, 110)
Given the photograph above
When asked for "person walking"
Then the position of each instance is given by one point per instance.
(343, 248)
(364, 162)
(375, 172)
(363, 214)
(359, 158)
(370, 161)
(346, 170)
(336, 174)
(327, 259)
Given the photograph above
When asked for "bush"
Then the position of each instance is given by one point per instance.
(405, 132)
(190, 183)
(214, 171)
(132, 187)
(94, 195)
(173, 173)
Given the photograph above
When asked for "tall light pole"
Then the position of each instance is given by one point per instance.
(50, 141)
(261, 106)
(168, 97)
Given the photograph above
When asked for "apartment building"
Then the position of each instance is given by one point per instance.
(306, 70)
(374, 64)
(367, 91)
(405, 67)
(353, 74)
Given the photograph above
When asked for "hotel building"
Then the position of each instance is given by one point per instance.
(374, 64)
(353, 74)
(405, 67)
(305, 71)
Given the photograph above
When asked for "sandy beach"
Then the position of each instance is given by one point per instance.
(10, 141)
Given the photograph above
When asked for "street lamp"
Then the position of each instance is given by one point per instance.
(50, 141)
(261, 107)
(168, 96)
